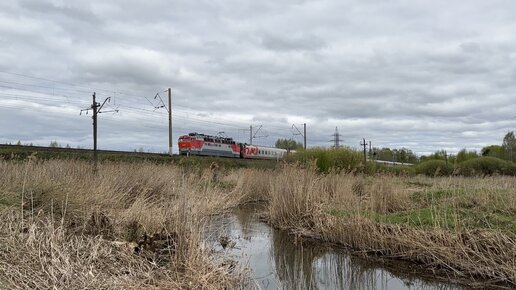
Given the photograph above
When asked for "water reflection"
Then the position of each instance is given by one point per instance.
(279, 261)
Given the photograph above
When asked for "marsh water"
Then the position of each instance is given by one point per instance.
(277, 261)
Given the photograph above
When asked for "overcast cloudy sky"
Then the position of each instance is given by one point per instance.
(425, 75)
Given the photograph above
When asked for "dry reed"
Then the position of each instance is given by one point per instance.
(132, 226)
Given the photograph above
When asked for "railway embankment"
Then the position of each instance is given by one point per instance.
(21, 153)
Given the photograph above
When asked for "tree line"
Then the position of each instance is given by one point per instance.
(505, 151)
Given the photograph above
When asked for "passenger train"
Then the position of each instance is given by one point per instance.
(206, 145)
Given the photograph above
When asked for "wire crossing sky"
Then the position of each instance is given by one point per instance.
(425, 75)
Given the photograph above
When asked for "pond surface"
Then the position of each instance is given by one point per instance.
(277, 261)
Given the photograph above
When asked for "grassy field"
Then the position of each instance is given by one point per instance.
(138, 225)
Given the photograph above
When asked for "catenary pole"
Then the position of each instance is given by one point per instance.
(251, 135)
(170, 121)
(304, 135)
(364, 144)
(94, 106)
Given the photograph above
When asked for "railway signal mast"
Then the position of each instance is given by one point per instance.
(97, 109)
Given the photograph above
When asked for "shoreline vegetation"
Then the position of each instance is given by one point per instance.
(139, 224)
(464, 226)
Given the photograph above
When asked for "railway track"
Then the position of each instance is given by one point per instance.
(19, 148)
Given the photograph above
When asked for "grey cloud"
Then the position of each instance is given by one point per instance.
(399, 73)
(292, 43)
(69, 10)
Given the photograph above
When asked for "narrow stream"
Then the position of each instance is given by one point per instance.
(276, 261)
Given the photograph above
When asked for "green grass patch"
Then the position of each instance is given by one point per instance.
(398, 170)
(424, 217)
(441, 217)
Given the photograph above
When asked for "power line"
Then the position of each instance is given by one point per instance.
(54, 81)
(48, 99)
(88, 89)
(48, 95)
(41, 86)
(179, 117)
(219, 121)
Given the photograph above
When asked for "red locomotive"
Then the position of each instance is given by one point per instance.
(206, 145)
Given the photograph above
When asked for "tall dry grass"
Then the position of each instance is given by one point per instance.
(251, 185)
(132, 226)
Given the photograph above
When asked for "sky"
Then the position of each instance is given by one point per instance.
(424, 75)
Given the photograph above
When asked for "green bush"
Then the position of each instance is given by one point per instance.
(326, 160)
(434, 168)
(486, 166)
